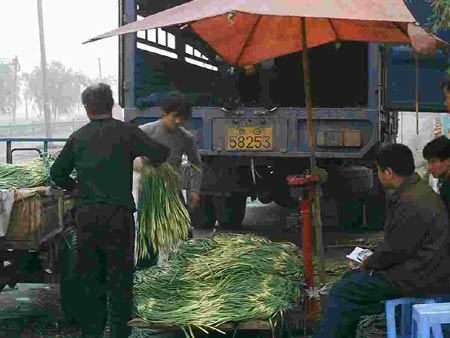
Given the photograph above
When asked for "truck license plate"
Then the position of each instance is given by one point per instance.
(249, 138)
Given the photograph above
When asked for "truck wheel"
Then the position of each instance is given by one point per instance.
(230, 211)
(349, 187)
(358, 178)
(69, 279)
(206, 214)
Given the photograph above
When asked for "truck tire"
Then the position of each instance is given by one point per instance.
(230, 211)
(358, 178)
(69, 279)
(350, 187)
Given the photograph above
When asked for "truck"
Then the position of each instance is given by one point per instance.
(358, 90)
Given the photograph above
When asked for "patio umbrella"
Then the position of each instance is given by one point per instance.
(245, 32)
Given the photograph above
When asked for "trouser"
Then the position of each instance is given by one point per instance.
(355, 294)
(105, 249)
(192, 212)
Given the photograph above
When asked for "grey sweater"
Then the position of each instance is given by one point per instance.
(180, 141)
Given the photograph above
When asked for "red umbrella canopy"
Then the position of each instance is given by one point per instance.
(244, 32)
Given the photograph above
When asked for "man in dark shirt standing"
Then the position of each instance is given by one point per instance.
(102, 152)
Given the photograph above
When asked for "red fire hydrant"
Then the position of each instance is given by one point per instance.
(302, 186)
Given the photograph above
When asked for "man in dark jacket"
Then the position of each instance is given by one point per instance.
(102, 152)
(413, 258)
(437, 153)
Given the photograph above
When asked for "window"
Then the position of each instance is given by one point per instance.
(151, 35)
(141, 35)
(189, 50)
(155, 50)
(170, 40)
(161, 37)
(201, 64)
(197, 53)
(204, 57)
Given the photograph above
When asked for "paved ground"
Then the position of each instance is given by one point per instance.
(31, 311)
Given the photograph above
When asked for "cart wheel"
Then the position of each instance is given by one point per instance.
(2, 285)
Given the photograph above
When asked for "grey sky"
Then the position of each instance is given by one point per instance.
(67, 25)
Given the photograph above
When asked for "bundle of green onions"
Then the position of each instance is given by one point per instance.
(226, 278)
(29, 174)
(163, 218)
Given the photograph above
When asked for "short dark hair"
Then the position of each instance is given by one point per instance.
(445, 84)
(398, 157)
(178, 103)
(98, 99)
(438, 148)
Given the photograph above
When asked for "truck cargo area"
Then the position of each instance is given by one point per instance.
(339, 76)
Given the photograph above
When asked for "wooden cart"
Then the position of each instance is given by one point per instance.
(30, 251)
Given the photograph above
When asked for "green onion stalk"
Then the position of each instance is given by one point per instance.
(29, 174)
(213, 281)
(163, 218)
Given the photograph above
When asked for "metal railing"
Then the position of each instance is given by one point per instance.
(32, 126)
(10, 150)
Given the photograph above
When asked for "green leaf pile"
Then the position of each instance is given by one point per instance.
(29, 174)
(217, 280)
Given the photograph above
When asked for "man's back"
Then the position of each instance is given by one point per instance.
(102, 152)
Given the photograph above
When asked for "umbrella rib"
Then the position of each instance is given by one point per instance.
(249, 36)
(334, 29)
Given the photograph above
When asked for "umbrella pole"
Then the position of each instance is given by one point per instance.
(312, 144)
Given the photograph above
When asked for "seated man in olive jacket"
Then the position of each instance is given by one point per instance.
(412, 259)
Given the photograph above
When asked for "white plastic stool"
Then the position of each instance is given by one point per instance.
(428, 316)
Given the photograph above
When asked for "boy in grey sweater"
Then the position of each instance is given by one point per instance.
(169, 131)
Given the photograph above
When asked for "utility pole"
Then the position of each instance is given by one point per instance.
(16, 70)
(100, 69)
(45, 105)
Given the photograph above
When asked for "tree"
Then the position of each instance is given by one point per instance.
(441, 14)
(9, 88)
(27, 94)
(64, 88)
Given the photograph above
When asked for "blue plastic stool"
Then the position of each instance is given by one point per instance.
(429, 316)
(406, 310)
